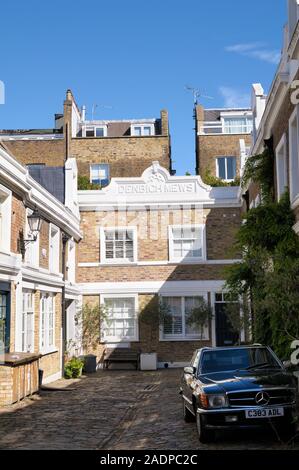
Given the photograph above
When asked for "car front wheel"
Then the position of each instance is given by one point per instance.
(205, 435)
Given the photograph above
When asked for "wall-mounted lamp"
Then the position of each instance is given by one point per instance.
(35, 224)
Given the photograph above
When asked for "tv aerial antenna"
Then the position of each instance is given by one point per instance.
(95, 106)
(196, 92)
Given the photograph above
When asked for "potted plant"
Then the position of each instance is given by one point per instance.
(152, 316)
(73, 368)
(90, 319)
(200, 316)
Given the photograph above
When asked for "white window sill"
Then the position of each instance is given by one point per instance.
(31, 266)
(52, 350)
(119, 341)
(180, 339)
(118, 263)
(186, 260)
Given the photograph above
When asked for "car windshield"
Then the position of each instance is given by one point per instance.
(234, 359)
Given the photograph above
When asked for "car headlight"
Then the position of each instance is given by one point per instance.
(217, 401)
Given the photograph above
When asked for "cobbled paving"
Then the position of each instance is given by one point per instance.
(115, 410)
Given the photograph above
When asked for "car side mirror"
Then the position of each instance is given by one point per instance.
(287, 365)
(189, 370)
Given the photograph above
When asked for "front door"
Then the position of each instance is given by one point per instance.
(225, 335)
(4, 322)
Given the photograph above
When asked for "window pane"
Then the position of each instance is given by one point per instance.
(190, 304)
(122, 318)
(221, 168)
(231, 168)
(119, 245)
(187, 242)
(174, 324)
(90, 132)
(99, 131)
(137, 131)
(146, 131)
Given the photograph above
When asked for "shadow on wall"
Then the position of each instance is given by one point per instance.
(175, 341)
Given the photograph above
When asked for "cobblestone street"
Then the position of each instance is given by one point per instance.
(113, 410)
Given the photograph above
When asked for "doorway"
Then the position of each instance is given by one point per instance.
(225, 334)
(4, 317)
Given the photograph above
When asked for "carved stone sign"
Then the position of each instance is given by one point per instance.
(150, 188)
(156, 182)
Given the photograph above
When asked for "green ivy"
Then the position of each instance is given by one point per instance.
(84, 184)
(259, 169)
(269, 273)
(213, 181)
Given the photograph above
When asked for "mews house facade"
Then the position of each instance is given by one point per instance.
(146, 233)
(276, 119)
(38, 290)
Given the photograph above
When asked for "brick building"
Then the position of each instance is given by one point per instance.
(276, 118)
(223, 137)
(157, 235)
(147, 234)
(103, 149)
(38, 292)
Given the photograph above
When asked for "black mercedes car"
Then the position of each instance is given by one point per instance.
(238, 388)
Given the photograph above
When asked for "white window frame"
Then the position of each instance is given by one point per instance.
(44, 343)
(26, 311)
(142, 126)
(5, 219)
(32, 248)
(94, 127)
(54, 249)
(71, 261)
(114, 339)
(247, 127)
(174, 259)
(281, 166)
(98, 164)
(294, 155)
(183, 337)
(228, 180)
(103, 231)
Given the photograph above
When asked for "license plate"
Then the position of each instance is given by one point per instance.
(265, 413)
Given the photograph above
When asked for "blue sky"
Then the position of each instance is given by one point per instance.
(134, 58)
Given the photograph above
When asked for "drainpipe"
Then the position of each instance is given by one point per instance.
(65, 239)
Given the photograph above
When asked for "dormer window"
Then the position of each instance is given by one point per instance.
(94, 131)
(140, 130)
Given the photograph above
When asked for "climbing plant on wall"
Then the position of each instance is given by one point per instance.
(269, 272)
